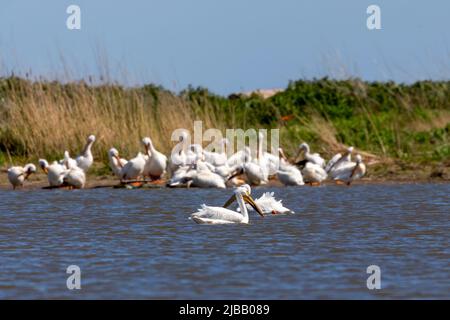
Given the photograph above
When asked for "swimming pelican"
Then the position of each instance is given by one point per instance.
(350, 171)
(313, 173)
(287, 173)
(267, 203)
(86, 159)
(156, 163)
(220, 215)
(55, 172)
(339, 159)
(115, 162)
(311, 157)
(134, 168)
(17, 175)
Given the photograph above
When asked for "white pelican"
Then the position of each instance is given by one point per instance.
(74, 177)
(257, 170)
(339, 159)
(156, 163)
(68, 162)
(115, 162)
(17, 175)
(178, 156)
(55, 172)
(313, 173)
(220, 215)
(134, 168)
(267, 203)
(239, 157)
(199, 175)
(287, 173)
(350, 171)
(86, 159)
(217, 158)
(311, 157)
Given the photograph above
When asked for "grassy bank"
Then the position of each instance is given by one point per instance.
(397, 127)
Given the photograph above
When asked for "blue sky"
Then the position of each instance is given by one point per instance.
(227, 46)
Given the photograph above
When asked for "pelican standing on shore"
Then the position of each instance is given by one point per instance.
(313, 173)
(314, 158)
(350, 171)
(17, 175)
(338, 160)
(134, 168)
(115, 162)
(156, 164)
(86, 159)
(220, 215)
(54, 172)
(287, 173)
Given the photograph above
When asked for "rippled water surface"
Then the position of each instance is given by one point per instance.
(141, 244)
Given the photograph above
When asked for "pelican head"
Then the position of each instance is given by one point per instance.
(44, 165)
(349, 150)
(91, 138)
(358, 159)
(147, 142)
(29, 169)
(244, 192)
(113, 152)
(304, 146)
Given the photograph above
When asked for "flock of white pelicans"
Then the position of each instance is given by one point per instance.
(192, 166)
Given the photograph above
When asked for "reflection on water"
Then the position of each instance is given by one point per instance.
(140, 244)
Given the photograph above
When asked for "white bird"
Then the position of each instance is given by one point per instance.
(86, 159)
(156, 163)
(115, 162)
(257, 170)
(74, 177)
(311, 157)
(313, 173)
(199, 175)
(350, 171)
(217, 158)
(17, 175)
(287, 173)
(178, 156)
(220, 215)
(68, 162)
(134, 168)
(338, 160)
(267, 203)
(55, 172)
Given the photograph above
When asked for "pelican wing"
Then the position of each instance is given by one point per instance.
(217, 213)
(333, 162)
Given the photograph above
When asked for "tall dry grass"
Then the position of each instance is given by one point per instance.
(43, 119)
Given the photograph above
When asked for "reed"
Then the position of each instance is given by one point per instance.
(385, 120)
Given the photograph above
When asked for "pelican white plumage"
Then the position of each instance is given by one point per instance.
(178, 156)
(86, 159)
(17, 175)
(74, 177)
(313, 173)
(220, 215)
(350, 171)
(115, 162)
(200, 175)
(55, 172)
(134, 168)
(217, 158)
(314, 158)
(67, 161)
(339, 159)
(156, 163)
(287, 173)
(257, 170)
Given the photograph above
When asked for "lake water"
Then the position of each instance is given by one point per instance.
(141, 244)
